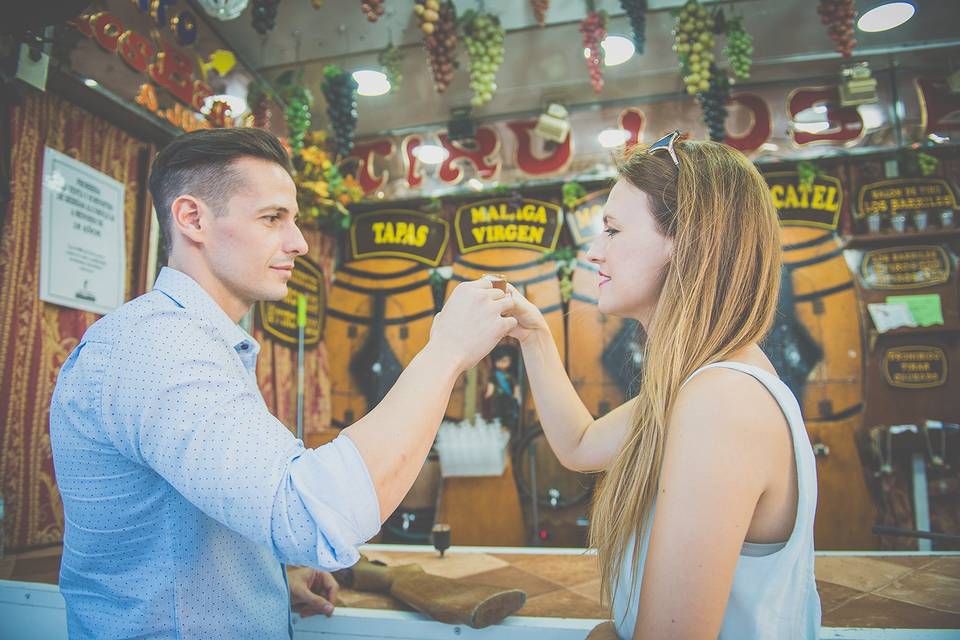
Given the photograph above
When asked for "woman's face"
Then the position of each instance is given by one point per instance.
(631, 255)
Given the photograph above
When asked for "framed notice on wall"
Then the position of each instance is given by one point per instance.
(82, 243)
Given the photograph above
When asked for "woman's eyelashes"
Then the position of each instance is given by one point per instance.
(610, 232)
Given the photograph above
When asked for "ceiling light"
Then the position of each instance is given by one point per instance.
(224, 9)
(885, 17)
(237, 104)
(371, 83)
(769, 146)
(616, 50)
(811, 127)
(475, 184)
(611, 138)
(430, 154)
(90, 82)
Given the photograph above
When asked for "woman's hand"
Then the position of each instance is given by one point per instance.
(529, 318)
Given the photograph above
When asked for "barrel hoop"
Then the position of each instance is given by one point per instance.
(814, 260)
(359, 273)
(812, 242)
(849, 412)
(547, 276)
(582, 298)
(586, 265)
(349, 317)
(349, 286)
(822, 293)
(497, 268)
(551, 308)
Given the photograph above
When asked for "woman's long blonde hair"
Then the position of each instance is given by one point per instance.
(719, 294)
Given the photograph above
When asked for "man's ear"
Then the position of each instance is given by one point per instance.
(187, 213)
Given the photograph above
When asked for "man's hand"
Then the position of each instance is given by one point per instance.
(311, 591)
(472, 322)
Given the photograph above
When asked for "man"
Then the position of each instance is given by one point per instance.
(182, 494)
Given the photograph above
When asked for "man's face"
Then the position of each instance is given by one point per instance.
(252, 244)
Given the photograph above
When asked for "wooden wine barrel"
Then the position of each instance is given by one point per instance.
(400, 290)
(824, 303)
(536, 280)
(600, 362)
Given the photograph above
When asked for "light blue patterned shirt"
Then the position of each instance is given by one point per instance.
(181, 493)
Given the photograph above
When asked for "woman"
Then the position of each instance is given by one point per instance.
(704, 520)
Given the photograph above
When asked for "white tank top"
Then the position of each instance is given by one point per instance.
(774, 594)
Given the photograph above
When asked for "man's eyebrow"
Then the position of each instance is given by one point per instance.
(273, 207)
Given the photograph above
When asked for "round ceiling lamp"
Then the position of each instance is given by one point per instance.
(224, 9)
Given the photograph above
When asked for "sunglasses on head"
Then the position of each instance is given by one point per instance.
(666, 142)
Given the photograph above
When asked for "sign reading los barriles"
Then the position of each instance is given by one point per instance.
(907, 194)
(908, 267)
(399, 233)
(279, 318)
(586, 219)
(915, 367)
(809, 205)
(508, 222)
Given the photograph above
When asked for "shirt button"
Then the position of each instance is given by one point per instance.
(244, 346)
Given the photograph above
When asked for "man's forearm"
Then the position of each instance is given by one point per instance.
(395, 437)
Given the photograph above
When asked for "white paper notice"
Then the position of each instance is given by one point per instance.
(82, 243)
(892, 315)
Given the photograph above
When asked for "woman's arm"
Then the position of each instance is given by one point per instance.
(579, 442)
(723, 446)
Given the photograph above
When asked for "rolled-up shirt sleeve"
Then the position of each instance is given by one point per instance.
(186, 407)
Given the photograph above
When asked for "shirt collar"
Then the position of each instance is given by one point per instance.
(187, 293)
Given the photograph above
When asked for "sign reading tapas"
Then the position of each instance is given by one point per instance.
(508, 222)
(399, 233)
(279, 318)
(586, 219)
(915, 367)
(906, 194)
(909, 267)
(807, 205)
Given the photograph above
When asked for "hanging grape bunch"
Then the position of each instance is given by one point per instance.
(372, 9)
(264, 15)
(636, 11)
(739, 48)
(838, 16)
(927, 163)
(259, 106)
(298, 99)
(483, 36)
(540, 11)
(693, 43)
(713, 102)
(391, 59)
(438, 20)
(594, 30)
(340, 91)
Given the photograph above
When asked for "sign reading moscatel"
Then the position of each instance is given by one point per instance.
(586, 219)
(508, 222)
(279, 318)
(905, 194)
(915, 367)
(399, 233)
(806, 205)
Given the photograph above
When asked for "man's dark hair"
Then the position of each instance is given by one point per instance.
(200, 163)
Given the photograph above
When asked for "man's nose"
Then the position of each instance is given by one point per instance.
(296, 243)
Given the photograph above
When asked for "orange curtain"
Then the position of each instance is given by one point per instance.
(277, 364)
(36, 337)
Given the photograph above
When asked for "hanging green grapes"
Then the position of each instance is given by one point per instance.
(391, 59)
(693, 43)
(483, 36)
(739, 48)
(298, 101)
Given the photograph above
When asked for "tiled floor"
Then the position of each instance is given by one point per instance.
(912, 592)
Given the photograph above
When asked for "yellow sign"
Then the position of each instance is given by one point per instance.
(909, 267)
(508, 222)
(399, 233)
(279, 318)
(906, 194)
(814, 205)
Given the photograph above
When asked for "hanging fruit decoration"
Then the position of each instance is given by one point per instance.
(693, 42)
(391, 59)
(438, 21)
(264, 15)
(927, 163)
(483, 36)
(259, 101)
(636, 11)
(372, 9)
(340, 90)
(298, 100)
(838, 16)
(713, 101)
(540, 11)
(594, 30)
(323, 193)
(739, 48)
(317, 4)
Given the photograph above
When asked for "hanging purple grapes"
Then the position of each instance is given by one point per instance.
(340, 90)
(264, 15)
(636, 11)
(713, 102)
